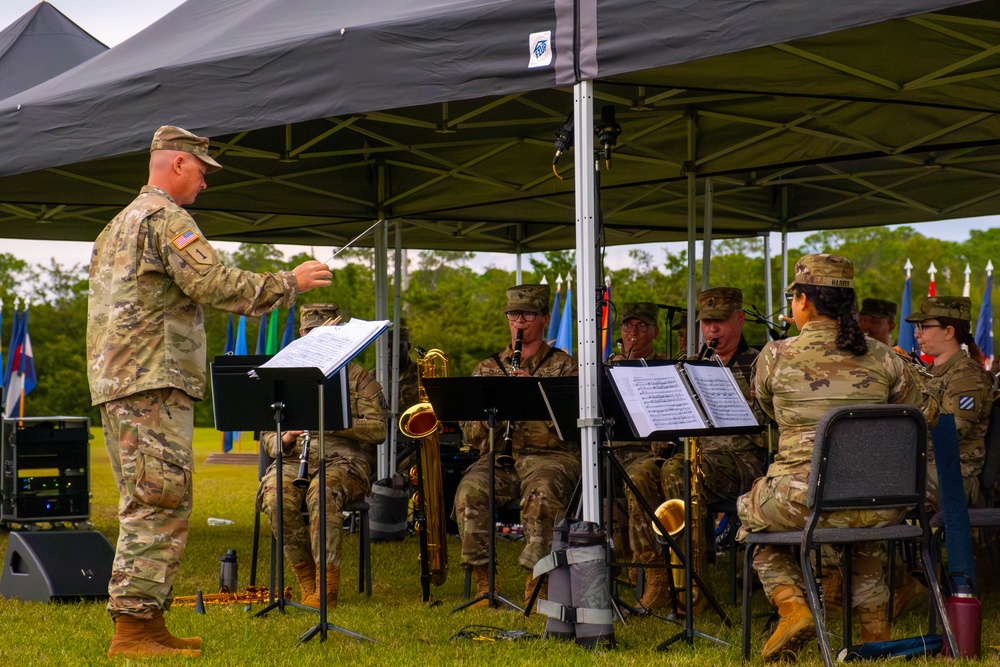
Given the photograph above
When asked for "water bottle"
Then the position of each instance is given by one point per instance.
(965, 613)
(227, 572)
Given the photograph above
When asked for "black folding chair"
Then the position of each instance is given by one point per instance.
(865, 457)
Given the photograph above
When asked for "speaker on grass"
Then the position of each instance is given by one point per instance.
(57, 565)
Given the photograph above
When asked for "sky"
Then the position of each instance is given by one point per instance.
(113, 21)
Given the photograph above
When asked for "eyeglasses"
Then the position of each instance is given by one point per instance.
(789, 297)
(515, 314)
(629, 326)
(920, 326)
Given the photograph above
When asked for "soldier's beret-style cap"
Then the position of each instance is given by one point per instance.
(171, 138)
(823, 270)
(528, 298)
(644, 311)
(878, 308)
(933, 307)
(314, 314)
(719, 303)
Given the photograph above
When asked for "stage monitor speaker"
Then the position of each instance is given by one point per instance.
(56, 566)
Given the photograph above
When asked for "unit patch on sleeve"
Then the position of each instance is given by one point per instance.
(185, 238)
(966, 402)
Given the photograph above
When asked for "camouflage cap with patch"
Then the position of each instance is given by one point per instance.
(315, 314)
(719, 303)
(823, 270)
(878, 308)
(644, 311)
(171, 138)
(933, 307)
(528, 298)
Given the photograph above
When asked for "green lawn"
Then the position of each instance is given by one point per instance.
(407, 632)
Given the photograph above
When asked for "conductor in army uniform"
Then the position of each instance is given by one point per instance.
(877, 319)
(151, 273)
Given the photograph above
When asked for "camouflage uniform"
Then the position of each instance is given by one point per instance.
(797, 381)
(545, 473)
(350, 458)
(150, 274)
(966, 391)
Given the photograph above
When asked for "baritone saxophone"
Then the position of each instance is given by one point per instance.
(420, 423)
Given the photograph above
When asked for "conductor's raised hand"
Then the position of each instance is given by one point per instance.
(312, 274)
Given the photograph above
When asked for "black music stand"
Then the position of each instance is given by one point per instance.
(296, 398)
(690, 576)
(507, 398)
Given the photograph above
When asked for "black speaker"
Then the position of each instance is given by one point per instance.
(57, 565)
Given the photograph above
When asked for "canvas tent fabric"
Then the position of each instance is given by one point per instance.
(39, 45)
(804, 117)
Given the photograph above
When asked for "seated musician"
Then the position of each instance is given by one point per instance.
(545, 470)
(350, 459)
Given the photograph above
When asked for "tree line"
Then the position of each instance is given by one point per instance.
(452, 307)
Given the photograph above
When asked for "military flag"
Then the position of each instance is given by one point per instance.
(564, 340)
(553, 332)
(22, 373)
(984, 325)
(905, 339)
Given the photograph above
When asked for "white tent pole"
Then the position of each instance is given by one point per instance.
(517, 266)
(382, 306)
(586, 288)
(692, 201)
(397, 263)
(784, 247)
(706, 247)
(768, 296)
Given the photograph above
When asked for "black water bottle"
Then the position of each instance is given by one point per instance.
(227, 572)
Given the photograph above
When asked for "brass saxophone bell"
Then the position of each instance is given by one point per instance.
(671, 515)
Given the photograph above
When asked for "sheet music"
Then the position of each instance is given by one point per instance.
(656, 399)
(720, 396)
(328, 348)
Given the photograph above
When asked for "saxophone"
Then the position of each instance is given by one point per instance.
(420, 423)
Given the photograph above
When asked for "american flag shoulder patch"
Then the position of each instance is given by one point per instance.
(185, 238)
(966, 402)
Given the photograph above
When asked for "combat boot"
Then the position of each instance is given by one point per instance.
(656, 590)
(908, 595)
(305, 574)
(795, 626)
(529, 588)
(874, 624)
(132, 639)
(157, 628)
(481, 577)
(332, 588)
(833, 590)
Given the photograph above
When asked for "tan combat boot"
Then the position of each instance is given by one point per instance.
(481, 578)
(529, 587)
(908, 595)
(833, 590)
(332, 588)
(157, 628)
(305, 574)
(656, 591)
(133, 640)
(795, 627)
(874, 624)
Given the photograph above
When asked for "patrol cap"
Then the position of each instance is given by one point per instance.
(878, 308)
(933, 307)
(171, 138)
(823, 270)
(719, 303)
(528, 298)
(644, 311)
(314, 314)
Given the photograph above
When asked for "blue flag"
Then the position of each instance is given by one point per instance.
(564, 340)
(289, 334)
(15, 331)
(906, 339)
(22, 371)
(553, 332)
(984, 325)
(241, 337)
(230, 347)
(262, 336)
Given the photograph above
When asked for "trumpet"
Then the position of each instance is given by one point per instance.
(301, 481)
(420, 423)
(506, 455)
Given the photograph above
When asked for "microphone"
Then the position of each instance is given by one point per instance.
(564, 138)
(608, 131)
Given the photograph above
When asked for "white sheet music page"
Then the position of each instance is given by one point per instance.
(328, 348)
(720, 396)
(656, 399)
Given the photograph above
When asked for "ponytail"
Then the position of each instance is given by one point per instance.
(840, 304)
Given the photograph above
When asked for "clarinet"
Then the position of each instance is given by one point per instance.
(709, 350)
(506, 455)
(301, 481)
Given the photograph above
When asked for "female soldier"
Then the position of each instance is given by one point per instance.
(797, 380)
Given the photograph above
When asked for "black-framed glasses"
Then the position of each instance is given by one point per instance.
(920, 326)
(633, 326)
(789, 297)
(527, 317)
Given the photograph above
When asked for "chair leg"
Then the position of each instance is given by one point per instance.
(815, 606)
(938, 601)
(467, 589)
(733, 545)
(747, 587)
(365, 558)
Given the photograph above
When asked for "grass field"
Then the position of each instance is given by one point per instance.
(406, 631)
